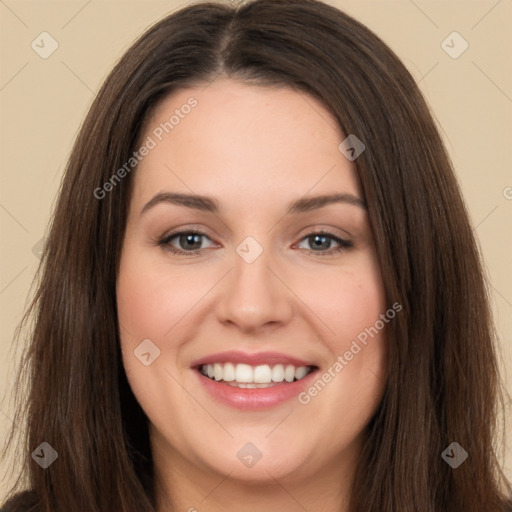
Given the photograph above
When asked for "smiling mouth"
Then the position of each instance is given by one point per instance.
(260, 376)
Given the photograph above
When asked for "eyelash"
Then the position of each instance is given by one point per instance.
(343, 244)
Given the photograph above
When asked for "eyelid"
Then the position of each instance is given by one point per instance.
(333, 231)
(190, 228)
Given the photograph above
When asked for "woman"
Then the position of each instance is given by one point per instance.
(261, 290)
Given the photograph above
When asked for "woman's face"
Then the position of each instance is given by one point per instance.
(263, 281)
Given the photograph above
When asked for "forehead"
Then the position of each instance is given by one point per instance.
(232, 139)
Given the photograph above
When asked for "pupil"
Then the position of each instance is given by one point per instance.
(189, 240)
(321, 241)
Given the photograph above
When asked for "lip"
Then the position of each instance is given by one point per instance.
(259, 358)
(255, 398)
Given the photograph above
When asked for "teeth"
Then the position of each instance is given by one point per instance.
(229, 372)
(300, 372)
(246, 376)
(217, 371)
(278, 373)
(262, 374)
(289, 373)
(243, 373)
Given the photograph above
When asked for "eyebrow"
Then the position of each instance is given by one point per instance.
(195, 202)
(211, 205)
(312, 203)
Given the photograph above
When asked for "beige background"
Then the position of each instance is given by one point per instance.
(43, 101)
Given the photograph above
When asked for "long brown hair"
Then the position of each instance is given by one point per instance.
(443, 384)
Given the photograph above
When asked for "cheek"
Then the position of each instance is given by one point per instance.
(152, 297)
(352, 303)
(156, 302)
(151, 300)
(347, 301)
(357, 307)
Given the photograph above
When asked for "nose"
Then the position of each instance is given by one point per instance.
(254, 296)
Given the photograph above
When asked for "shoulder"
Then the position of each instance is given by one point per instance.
(23, 502)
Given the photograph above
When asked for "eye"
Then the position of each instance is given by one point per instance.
(321, 243)
(192, 242)
(185, 242)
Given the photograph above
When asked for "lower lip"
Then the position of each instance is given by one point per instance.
(255, 398)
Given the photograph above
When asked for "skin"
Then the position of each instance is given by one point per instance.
(254, 149)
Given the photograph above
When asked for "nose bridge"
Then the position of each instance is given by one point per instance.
(253, 296)
(251, 271)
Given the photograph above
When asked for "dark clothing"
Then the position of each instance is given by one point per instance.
(23, 502)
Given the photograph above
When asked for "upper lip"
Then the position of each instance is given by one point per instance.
(254, 359)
